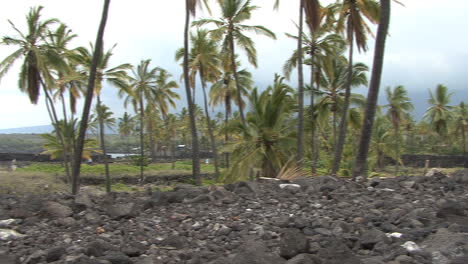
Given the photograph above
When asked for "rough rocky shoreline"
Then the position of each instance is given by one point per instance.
(320, 220)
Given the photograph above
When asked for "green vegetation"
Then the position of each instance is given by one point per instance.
(117, 169)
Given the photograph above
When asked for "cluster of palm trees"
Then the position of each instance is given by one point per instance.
(272, 129)
(63, 75)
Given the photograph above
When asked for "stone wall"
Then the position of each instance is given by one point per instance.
(440, 161)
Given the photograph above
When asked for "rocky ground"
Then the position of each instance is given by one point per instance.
(322, 220)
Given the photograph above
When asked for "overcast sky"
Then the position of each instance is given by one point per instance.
(427, 44)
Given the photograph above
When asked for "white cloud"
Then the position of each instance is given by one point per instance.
(426, 40)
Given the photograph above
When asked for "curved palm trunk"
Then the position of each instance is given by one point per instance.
(193, 125)
(236, 78)
(142, 139)
(54, 119)
(103, 145)
(343, 122)
(360, 167)
(210, 129)
(300, 92)
(88, 100)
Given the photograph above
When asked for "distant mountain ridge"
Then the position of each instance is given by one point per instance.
(28, 130)
(41, 130)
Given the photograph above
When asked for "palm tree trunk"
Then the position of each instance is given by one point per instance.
(360, 167)
(66, 155)
(54, 119)
(343, 122)
(191, 106)
(236, 79)
(103, 145)
(152, 144)
(300, 91)
(397, 150)
(88, 100)
(226, 134)
(210, 129)
(315, 135)
(142, 139)
(334, 128)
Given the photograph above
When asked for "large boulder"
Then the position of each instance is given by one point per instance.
(117, 258)
(292, 243)
(57, 210)
(461, 176)
(445, 246)
(55, 254)
(255, 252)
(123, 210)
(304, 259)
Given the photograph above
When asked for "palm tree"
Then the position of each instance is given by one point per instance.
(461, 123)
(126, 127)
(89, 98)
(333, 77)
(268, 141)
(143, 84)
(204, 60)
(40, 59)
(223, 92)
(352, 21)
(37, 54)
(116, 76)
(105, 119)
(360, 166)
(399, 106)
(163, 97)
(190, 9)
(313, 15)
(439, 112)
(230, 30)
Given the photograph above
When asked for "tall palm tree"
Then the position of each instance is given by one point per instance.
(319, 45)
(360, 166)
(353, 14)
(163, 97)
(89, 98)
(143, 84)
(461, 123)
(116, 76)
(126, 127)
(38, 56)
(105, 119)
(40, 59)
(230, 30)
(439, 112)
(205, 60)
(190, 10)
(398, 108)
(333, 84)
(223, 92)
(313, 14)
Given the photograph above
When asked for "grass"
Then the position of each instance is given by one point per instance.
(389, 171)
(118, 169)
(42, 178)
(30, 183)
